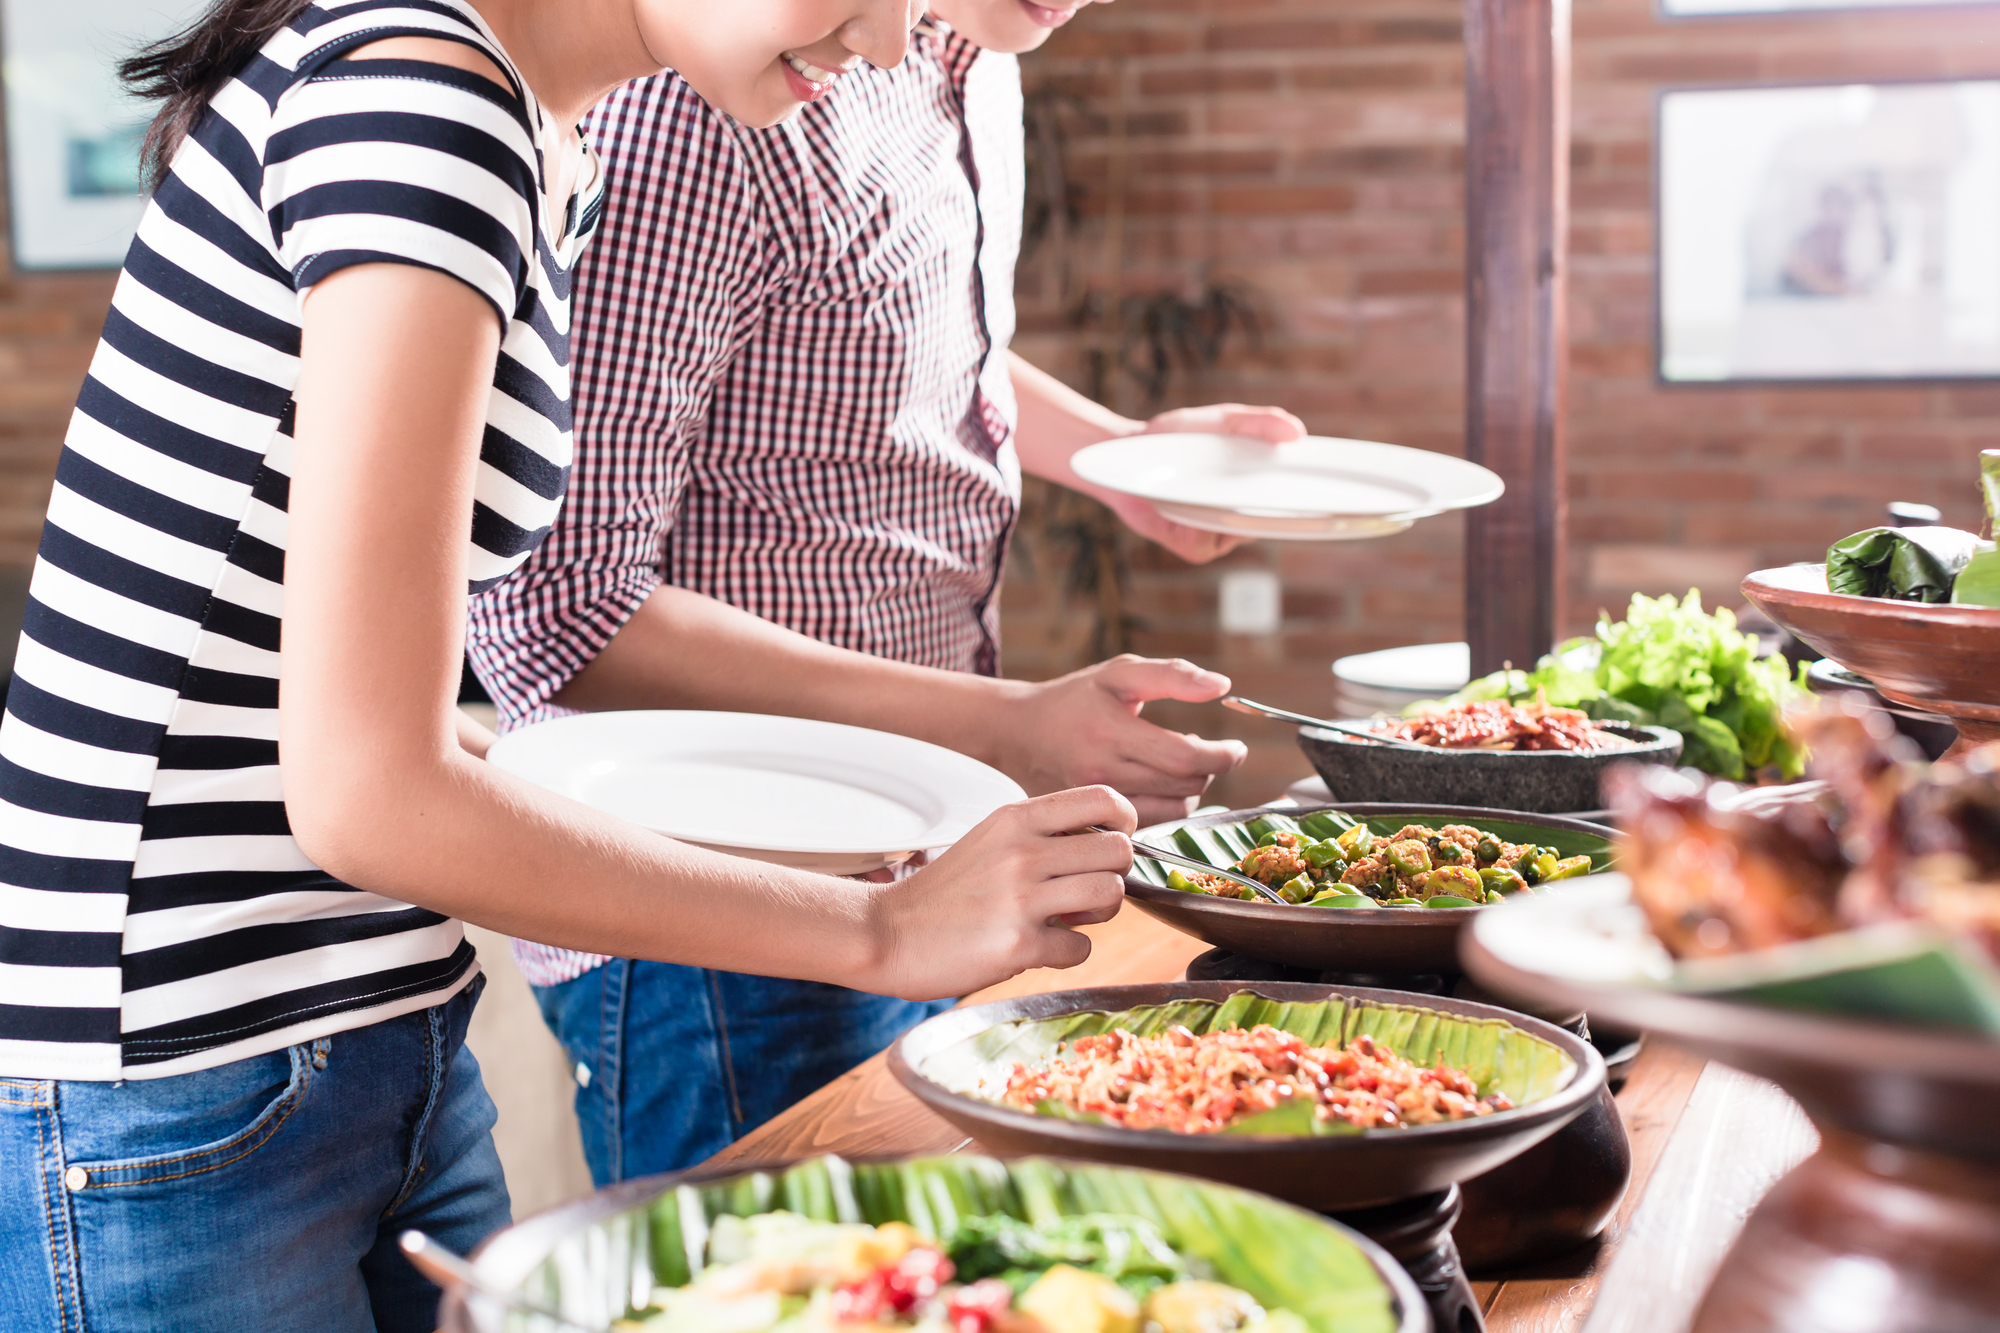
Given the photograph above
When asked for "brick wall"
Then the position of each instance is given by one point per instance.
(49, 324)
(1312, 149)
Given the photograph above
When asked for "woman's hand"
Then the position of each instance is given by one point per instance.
(1085, 728)
(1003, 899)
(1194, 545)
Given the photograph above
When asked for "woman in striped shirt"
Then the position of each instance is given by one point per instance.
(238, 819)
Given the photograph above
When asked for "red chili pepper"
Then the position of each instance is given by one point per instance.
(860, 1302)
(916, 1277)
(977, 1307)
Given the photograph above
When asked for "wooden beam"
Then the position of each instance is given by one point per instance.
(1516, 269)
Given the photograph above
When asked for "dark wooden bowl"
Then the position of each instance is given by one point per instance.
(1346, 939)
(1545, 781)
(508, 1257)
(1940, 659)
(1906, 1184)
(1331, 1174)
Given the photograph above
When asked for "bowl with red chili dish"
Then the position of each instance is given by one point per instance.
(1378, 1107)
(1489, 753)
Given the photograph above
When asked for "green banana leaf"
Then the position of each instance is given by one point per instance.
(1284, 1256)
(1223, 845)
(1899, 973)
(1978, 584)
(1498, 1056)
(1906, 564)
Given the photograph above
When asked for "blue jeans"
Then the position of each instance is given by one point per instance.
(262, 1196)
(673, 1064)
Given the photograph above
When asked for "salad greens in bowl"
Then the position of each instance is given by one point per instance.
(958, 1244)
(1670, 663)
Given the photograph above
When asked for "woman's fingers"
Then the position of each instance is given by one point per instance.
(1057, 948)
(1077, 808)
(1097, 891)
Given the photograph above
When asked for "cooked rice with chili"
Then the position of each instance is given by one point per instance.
(1200, 1084)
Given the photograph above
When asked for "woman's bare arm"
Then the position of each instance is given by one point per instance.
(398, 365)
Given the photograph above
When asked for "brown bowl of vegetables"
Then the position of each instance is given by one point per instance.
(1368, 887)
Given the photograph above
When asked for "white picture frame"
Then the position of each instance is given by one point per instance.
(72, 132)
(1702, 9)
(1829, 232)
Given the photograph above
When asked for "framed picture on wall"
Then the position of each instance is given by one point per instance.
(1830, 232)
(72, 133)
(1678, 9)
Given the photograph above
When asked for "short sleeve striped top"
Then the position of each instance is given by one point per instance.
(156, 915)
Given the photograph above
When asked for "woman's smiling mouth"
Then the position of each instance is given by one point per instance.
(1049, 17)
(808, 81)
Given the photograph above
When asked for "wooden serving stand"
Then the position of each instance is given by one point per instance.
(1707, 1142)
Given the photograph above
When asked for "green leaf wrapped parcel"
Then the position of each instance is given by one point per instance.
(1978, 584)
(1906, 564)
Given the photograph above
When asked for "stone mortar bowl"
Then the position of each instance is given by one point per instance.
(1542, 781)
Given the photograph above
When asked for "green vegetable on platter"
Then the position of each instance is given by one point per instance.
(1978, 584)
(1904, 564)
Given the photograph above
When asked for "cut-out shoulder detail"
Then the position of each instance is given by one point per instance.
(436, 50)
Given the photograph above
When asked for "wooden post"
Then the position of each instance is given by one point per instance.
(1516, 285)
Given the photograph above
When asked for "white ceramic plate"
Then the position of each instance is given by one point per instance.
(817, 795)
(1315, 489)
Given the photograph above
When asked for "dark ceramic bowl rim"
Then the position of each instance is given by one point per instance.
(1656, 740)
(511, 1253)
(1374, 916)
(1562, 1104)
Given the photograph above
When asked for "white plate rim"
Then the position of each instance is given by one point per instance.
(523, 753)
(1097, 464)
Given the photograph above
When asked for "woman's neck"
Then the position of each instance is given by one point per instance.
(571, 52)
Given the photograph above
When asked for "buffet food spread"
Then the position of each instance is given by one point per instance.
(1867, 897)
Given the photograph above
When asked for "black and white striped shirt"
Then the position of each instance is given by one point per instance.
(156, 915)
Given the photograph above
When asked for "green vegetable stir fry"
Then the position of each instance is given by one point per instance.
(1417, 866)
(1670, 663)
(779, 1272)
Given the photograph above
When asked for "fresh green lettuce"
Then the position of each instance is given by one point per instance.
(1670, 663)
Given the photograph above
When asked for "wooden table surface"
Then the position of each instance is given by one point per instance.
(1707, 1142)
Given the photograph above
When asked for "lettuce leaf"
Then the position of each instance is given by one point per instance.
(1673, 664)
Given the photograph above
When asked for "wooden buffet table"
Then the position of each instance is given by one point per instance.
(1707, 1142)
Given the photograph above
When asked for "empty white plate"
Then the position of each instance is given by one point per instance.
(1315, 489)
(817, 795)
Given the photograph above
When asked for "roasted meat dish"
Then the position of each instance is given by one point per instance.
(1888, 838)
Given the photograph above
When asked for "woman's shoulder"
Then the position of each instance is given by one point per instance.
(427, 48)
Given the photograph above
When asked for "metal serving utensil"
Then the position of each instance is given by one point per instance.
(1166, 857)
(1242, 705)
(443, 1267)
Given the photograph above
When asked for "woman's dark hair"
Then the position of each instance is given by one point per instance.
(187, 69)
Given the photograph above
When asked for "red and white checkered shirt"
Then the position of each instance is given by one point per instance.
(791, 381)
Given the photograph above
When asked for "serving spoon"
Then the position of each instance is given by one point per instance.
(443, 1267)
(1165, 857)
(1243, 705)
